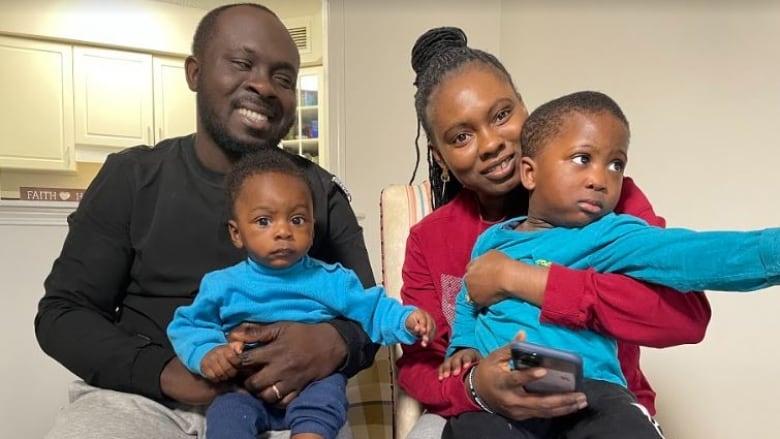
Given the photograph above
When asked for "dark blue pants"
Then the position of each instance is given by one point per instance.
(320, 408)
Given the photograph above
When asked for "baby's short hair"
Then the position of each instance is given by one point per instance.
(265, 160)
(546, 122)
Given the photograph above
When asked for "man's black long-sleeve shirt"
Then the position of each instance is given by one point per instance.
(150, 225)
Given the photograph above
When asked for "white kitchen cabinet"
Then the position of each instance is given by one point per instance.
(306, 137)
(124, 99)
(114, 103)
(174, 102)
(36, 116)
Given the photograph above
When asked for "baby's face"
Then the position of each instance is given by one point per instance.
(578, 174)
(274, 219)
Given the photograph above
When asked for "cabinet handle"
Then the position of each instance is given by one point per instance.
(159, 134)
(149, 134)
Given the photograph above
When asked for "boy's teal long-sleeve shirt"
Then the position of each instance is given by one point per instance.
(682, 259)
(310, 291)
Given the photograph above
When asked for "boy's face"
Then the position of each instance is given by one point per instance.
(273, 219)
(577, 176)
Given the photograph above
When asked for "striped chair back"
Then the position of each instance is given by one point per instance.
(400, 208)
(378, 408)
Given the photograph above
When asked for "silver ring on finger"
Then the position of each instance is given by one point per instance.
(277, 392)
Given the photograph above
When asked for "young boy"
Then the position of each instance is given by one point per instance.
(272, 219)
(575, 149)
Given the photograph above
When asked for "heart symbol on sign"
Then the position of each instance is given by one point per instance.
(64, 196)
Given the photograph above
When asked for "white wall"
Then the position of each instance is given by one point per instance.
(700, 85)
(34, 385)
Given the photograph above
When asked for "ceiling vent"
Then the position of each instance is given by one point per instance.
(301, 37)
(300, 31)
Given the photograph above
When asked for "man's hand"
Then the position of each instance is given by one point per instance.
(292, 356)
(183, 386)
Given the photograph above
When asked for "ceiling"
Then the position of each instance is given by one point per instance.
(282, 8)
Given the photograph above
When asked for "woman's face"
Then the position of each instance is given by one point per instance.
(476, 116)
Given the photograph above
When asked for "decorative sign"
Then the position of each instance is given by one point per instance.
(50, 194)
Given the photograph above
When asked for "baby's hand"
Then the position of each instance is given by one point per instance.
(457, 362)
(221, 363)
(421, 324)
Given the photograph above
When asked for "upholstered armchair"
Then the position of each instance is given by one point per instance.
(378, 408)
(400, 208)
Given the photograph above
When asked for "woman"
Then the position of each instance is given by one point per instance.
(472, 116)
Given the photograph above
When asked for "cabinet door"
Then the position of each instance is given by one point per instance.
(36, 117)
(306, 137)
(113, 100)
(174, 102)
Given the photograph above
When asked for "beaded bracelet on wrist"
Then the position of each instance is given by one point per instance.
(473, 391)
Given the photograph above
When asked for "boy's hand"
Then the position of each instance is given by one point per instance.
(181, 385)
(458, 362)
(421, 324)
(221, 363)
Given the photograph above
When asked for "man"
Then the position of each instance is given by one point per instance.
(154, 221)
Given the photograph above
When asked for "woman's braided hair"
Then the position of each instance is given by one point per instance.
(437, 53)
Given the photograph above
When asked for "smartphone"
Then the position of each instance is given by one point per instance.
(564, 369)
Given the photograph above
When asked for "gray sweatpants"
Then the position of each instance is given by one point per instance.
(96, 413)
(429, 426)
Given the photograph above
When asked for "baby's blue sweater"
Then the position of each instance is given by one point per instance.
(682, 259)
(310, 291)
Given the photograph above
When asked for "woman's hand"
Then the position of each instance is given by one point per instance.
(494, 276)
(291, 356)
(483, 278)
(501, 389)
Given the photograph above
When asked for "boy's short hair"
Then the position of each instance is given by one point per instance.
(546, 122)
(262, 161)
